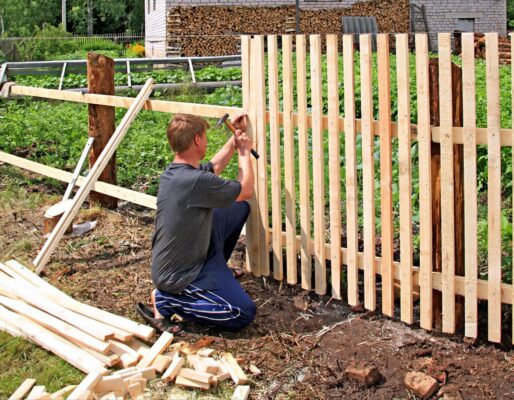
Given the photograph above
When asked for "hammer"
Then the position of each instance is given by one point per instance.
(224, 120)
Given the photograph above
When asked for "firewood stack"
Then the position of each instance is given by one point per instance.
(94, 340)
(215, 30)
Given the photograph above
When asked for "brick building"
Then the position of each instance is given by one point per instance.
(165, 26)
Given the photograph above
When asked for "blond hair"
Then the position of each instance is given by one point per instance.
(182, 130)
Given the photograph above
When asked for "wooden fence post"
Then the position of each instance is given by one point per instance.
(100, 77)
(458, 172)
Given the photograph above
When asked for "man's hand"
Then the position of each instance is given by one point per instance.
(243, 142)
(240, 122)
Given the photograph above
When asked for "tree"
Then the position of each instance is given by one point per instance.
(510, 14)
(21, 17)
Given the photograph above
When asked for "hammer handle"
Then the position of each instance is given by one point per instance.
(231, 127)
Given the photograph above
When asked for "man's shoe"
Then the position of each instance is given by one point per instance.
(159, 324)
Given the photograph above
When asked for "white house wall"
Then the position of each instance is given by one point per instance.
(155, 28)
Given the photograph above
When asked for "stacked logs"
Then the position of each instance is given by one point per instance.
(504, 47)
(215, 30)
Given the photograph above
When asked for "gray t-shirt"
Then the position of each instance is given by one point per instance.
(185, 202)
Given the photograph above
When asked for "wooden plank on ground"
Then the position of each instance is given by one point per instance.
(52, 342)
(303, 162)
(470, 186)
(23, 389)
(334, 163)
(494, 238)
(56, 235)
(139, 330)
(262, 164)
(405, 166)
(368, 171)
(189, 383)
(447, 183)
(55, 324)
(63, 393)
(159, 346)
(318, 162)
(173, 369)
(350, 135)
(289, 159)
(241, 393)
(87, 384)
(237, 374)
(386, 175)
(38, 392)
(425, 181)
(275, 155)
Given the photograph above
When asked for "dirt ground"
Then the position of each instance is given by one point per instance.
(301, 342)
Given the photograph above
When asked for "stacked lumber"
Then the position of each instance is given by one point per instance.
(94, 341)
(215, 30)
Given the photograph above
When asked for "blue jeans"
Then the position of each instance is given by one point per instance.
(215, 296)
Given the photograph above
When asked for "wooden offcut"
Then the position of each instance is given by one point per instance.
(23, 389)
(237, 374)
(159, 346)
(53, 214)
(86, 385)
(173, 369)
(100, 78)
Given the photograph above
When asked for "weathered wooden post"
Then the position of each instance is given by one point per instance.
(100, 77)
(458, 172)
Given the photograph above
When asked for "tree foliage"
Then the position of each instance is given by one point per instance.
(25, 17)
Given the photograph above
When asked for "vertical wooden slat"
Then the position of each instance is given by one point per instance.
(262, 164)
(351, 171)
(334, 164)
(470, 186)
(386, 174)
(318, 166)
(425, 182)
(447, 190)
(404, 139)
(368, 162)
(303, 161)
(252, 225)
(289, 161)
(494, 258)
(276, 197)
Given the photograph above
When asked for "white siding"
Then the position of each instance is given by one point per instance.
(155, 28)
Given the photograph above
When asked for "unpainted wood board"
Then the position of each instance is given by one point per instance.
(303, 161)
(289, 158)
(447, 184)
(173, 369)
(470, 186)
(494, 237)
(23, 389)
(275, 156)
(350, 134)
(87, 384)
(262, 163)
(318, 163)
(425, 181)
(237, 374)
(241, 393)
(334, 163)
(405, 171)
(386, 176)
(368, 162)
(158, 347)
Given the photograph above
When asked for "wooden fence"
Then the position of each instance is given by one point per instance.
(304, 147)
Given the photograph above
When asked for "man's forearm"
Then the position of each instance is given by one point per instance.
(245, 176)
(223, 157)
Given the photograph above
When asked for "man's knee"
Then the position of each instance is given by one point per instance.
(243, 208)
(248, 313)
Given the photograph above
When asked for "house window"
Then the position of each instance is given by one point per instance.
(154, 4)
(465, 25)
(148, 6)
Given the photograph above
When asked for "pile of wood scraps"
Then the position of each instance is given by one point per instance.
(94, 340)
(504, 47)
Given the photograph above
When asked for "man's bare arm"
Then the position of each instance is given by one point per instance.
(223, 157)
(245, 175)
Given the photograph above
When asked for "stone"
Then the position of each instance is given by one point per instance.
(364, 373)
(422, 385)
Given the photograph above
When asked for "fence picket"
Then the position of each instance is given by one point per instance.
(447, 183)
(386, 174)
(262, 164)
(318, 165)
(425, 182)
(368, 166)
(494, 239)
(470, 185)
(289, 161)
(334, 163)
(303, 159)
(276, 202)
(252, 225)
(352, 226)
(404, 139)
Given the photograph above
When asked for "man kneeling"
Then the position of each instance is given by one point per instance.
(198, 222)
